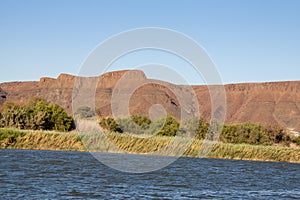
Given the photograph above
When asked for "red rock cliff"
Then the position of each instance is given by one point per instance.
(276, 102)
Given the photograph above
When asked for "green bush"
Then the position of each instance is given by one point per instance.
(135, 124)
(129, 126)
(142, 121)
(142, 125)
(110, 124)
(58, 118)
(243, 133)
(250, 133)
(37, 115)
(297, 140)
(170, 126)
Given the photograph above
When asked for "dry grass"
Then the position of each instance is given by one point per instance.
(127, 143)
(40, 140)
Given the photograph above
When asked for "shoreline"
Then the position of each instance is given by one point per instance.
(183, 156)
(71, 142)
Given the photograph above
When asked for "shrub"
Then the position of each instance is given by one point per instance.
(58, 118)
(250, 133)
(297, 140)
(130, 126)
(202, 129)
(194, 127)
(37, 115)
(142, 125)
(135, 124)
(142, 121)
(110, 124)
(243, 133)
(170, 126)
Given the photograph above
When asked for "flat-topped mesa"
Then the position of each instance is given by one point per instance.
(62, 81)
(110, 79)
(46, 80)
(285, 86)
(61, 77)
(107, 80)
(66, 77)
(19, 86)
(66, 80)
(273, 102)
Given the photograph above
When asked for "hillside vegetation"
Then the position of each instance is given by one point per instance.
(244, 133)
(36, 126)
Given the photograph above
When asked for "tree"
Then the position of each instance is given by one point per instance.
(110, 124)
(58, 119)
(170, 127)
(142, 121)
(10, 112)
(202, 130)
(37, 115)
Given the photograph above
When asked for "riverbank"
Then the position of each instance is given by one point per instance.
(71, 141)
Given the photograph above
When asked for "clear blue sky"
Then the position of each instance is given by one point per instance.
(249, 41)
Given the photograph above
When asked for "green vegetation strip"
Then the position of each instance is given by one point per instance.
(39, 140)
(70, 141)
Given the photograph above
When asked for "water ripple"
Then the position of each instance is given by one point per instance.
(70, 175)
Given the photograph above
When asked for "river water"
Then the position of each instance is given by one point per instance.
(26, 174)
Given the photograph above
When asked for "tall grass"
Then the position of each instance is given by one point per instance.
(40, 140)
(127, 143)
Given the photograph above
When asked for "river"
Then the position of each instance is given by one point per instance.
(28, 174)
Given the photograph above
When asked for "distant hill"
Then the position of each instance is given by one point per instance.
(271, 103)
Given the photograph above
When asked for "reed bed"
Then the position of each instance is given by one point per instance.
(128, 143)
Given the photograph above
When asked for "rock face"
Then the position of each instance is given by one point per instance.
(272, 103)
(2, 96)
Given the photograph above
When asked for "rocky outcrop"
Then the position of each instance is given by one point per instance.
(276, 102)
(2, 96)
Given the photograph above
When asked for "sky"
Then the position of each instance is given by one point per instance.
(248, 40)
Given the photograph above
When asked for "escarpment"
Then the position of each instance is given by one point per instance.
(267, 103)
